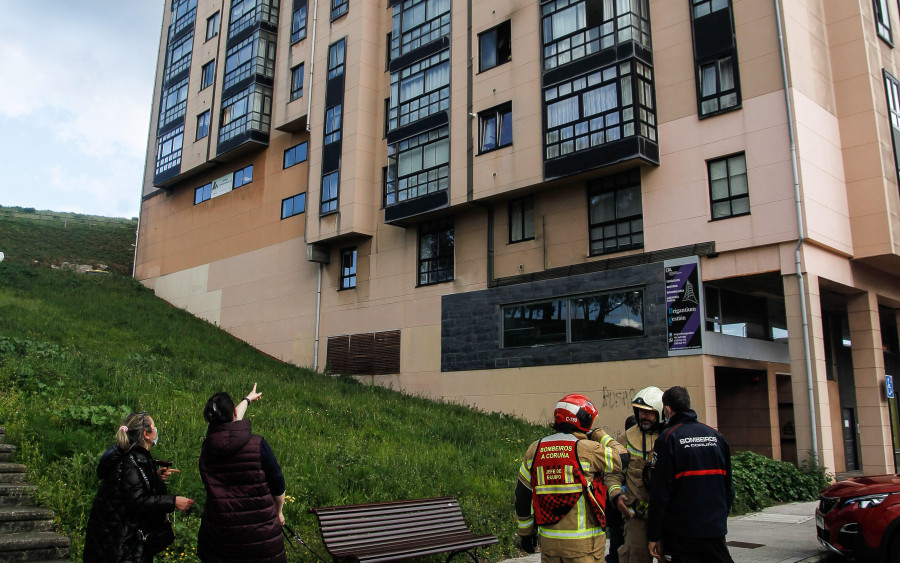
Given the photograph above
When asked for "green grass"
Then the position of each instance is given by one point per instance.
(35, 238)
(76, 352)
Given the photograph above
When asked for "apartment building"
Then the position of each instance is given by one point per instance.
(504, 201)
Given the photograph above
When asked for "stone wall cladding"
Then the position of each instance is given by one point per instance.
(470, 323)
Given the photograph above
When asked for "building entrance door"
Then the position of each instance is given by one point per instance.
(848, 426)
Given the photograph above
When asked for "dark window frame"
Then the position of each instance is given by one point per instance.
(292, 155)
(203, 125)
(242, 177)
(399, 188)
(497, 115)
(203, 193)
(207, 75)
(171, 158)
(500, 37)
(173, 104)
(731, 197)
(883, 21)
(439, 267)
(719, 93)
(520, 207)
(296, 89)
(348, 273)
(629, 226)
(333, 123)
(299, 24)
(427, 101)
(330, 204)
(418, 33)
(297, 205)
(337, 58)
(339, 8)
(892, 98)
(212, 24)
(183, 50)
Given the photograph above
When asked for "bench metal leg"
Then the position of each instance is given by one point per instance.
(467, 552)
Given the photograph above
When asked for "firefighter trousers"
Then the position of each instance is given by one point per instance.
(635, 548)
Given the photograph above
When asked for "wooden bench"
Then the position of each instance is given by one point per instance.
(390, 531)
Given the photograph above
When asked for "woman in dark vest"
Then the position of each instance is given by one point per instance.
(244, 488)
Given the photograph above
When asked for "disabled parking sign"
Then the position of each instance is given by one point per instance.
(889, 383)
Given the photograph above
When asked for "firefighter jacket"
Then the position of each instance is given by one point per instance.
(640, 448)
(578, 532)
(692, 490)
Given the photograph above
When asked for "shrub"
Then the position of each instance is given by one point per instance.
(760, 482)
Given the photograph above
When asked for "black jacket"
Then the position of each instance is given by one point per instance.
(691, 489)
(123, 505)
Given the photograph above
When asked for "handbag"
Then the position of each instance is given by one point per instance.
(155, 536)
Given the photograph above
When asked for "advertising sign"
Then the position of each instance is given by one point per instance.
(221, 186)
(684, 314)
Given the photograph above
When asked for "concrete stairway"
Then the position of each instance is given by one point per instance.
(26, 531)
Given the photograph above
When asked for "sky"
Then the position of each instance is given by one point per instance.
(75, 103)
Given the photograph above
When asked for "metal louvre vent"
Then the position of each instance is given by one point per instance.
(368, 353)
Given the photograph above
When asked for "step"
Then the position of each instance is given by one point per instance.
(25, 519)
(16, 494)
(12, 472)
(33, 546)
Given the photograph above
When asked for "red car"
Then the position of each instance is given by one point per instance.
(860, 518)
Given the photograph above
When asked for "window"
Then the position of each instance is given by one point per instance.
(174, 102)
(418, 166)
(297, 82)
(339, 8)
(418, 22)
(242, 177)
(203, 193)
(255, 55)
(602, 107)
(521, 219)
(207, 74)
(178, 56)
(728, 189)
(212, 26)
(883, 20)
(892, 89)
(738, 314)
(494, 47)
(246, 13)
(419, 90)
(576, 29)
(330, 189)
(706, 7)
(168, 150)
(203, 125)
(715, 57)
(348, 268)
(298, 21)
(602, 316)
(616, 216)
(495, 128)
(333, 124)
(293, 205)
(718, 91)
(336, 59)
(248, 110)
(295, 155)
(436, 251)
(184, 13)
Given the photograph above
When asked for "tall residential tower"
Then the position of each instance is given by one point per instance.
(500, 202)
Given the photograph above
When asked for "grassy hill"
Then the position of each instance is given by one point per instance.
(77, 352)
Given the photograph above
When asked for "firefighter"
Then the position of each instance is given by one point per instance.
(692, 490)
(562, 486)
(633, 502)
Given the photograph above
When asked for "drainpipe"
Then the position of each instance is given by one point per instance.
(800, 235)
(318, 318)
(312, 61)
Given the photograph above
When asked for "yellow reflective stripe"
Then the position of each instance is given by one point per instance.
(609, 458)
(582, 517)
(525, 473)
(605, 440)
(558, 489)
(613, 491)
(634, 451)
(525, 522)
(585, 466)
(571, 534)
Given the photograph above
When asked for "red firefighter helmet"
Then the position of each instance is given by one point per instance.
(576, 410)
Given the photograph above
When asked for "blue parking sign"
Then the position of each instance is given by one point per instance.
(889, 383)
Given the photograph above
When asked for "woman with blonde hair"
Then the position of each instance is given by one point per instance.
(128, 521)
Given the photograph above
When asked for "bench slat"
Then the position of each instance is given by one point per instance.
(389, 531)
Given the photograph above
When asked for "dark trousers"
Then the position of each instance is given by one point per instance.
(616, 537)
(679, 549)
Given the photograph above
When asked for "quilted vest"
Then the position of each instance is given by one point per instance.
(240, 521)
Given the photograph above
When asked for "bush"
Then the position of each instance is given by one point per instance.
(760, 482)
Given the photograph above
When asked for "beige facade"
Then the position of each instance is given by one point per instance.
(455, 232)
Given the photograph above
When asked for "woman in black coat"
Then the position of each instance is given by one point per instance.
(128, 518)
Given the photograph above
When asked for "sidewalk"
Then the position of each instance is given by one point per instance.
(779, 534)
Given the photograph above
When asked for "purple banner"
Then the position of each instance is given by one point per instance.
(683, 312)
